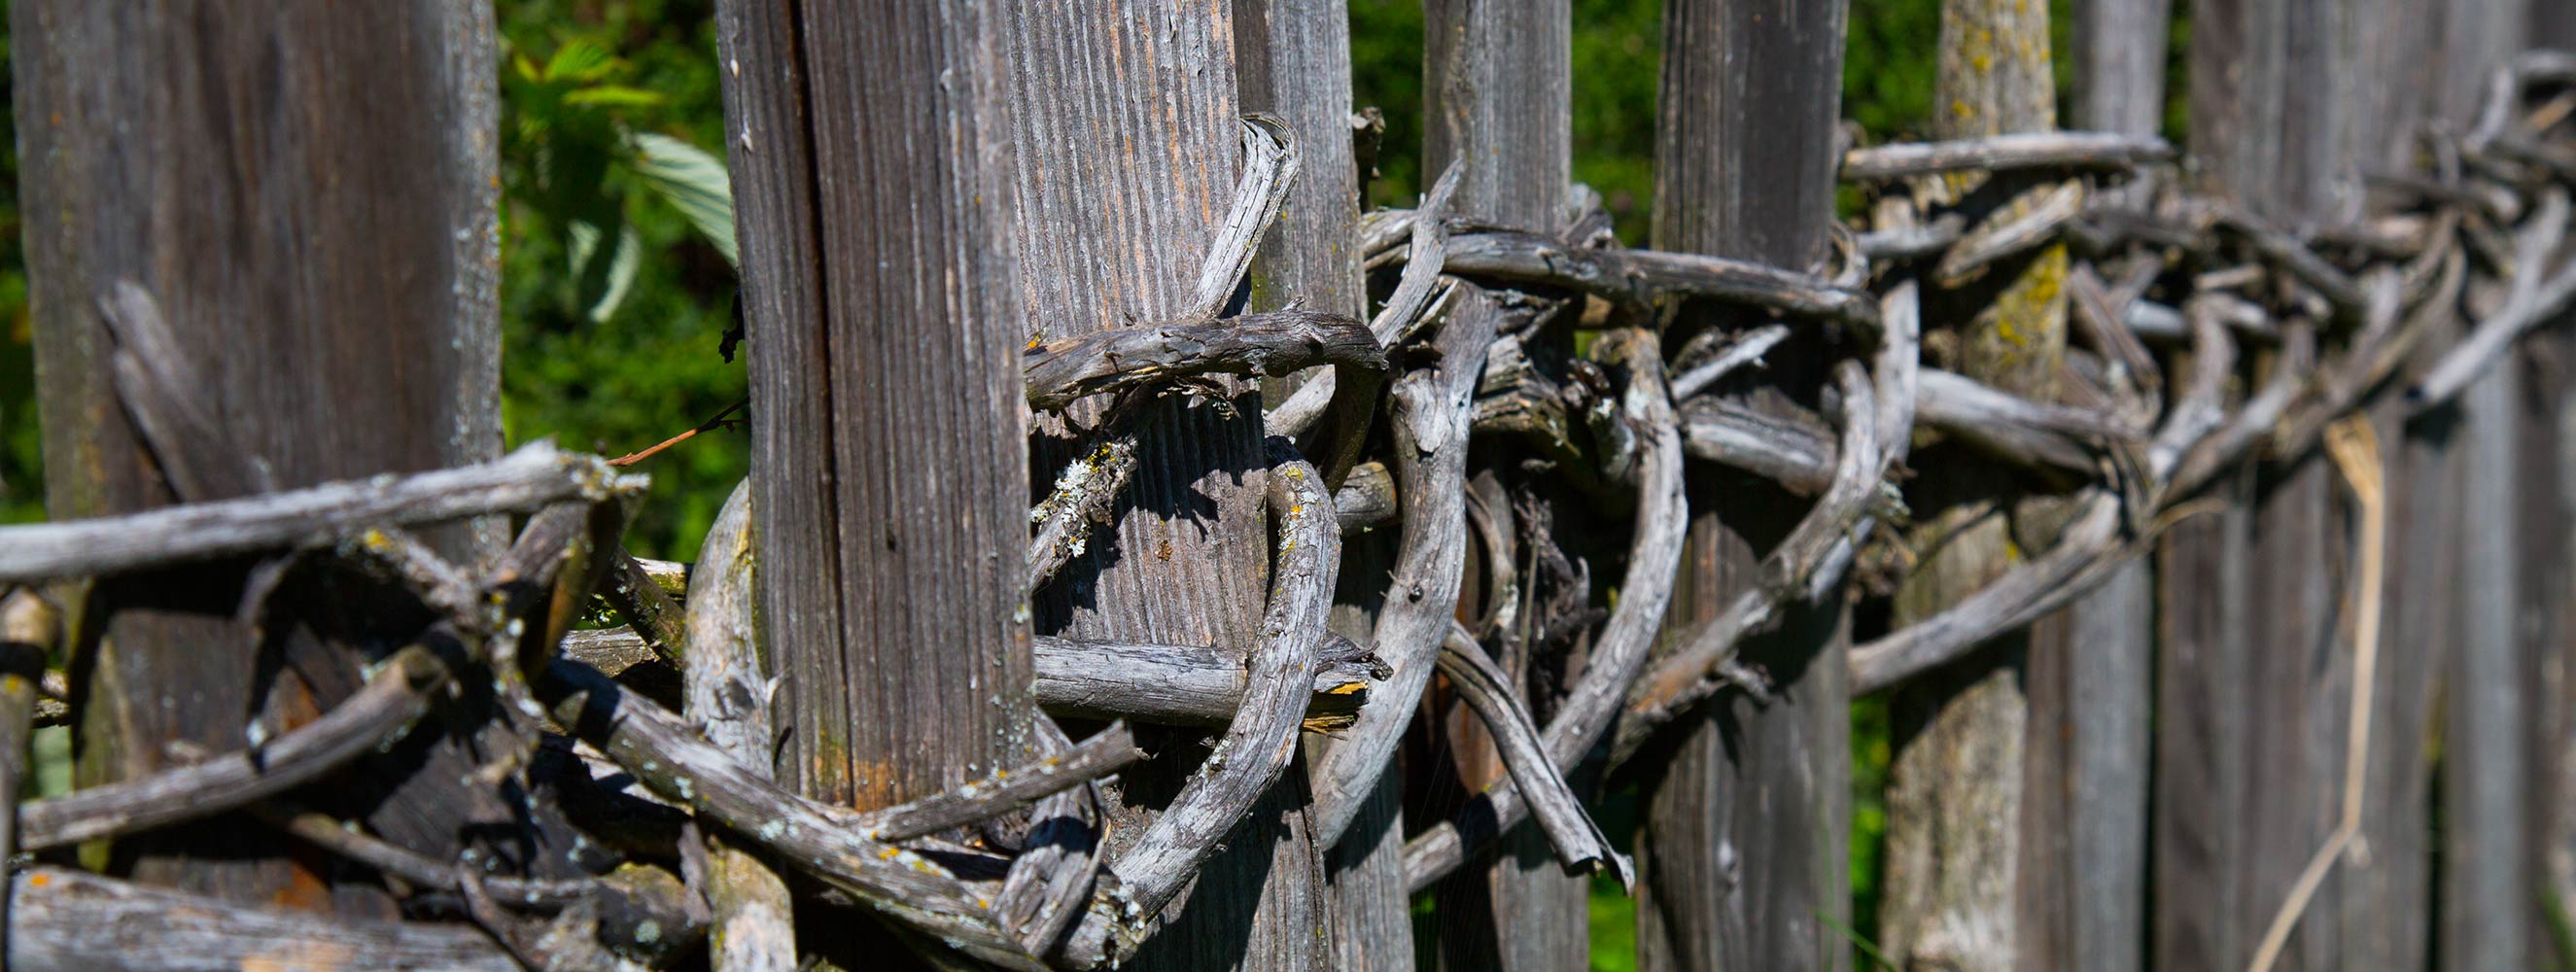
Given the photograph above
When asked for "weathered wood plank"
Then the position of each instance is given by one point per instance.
(2386, 909)
(871, 165)
(1960, 838)
(331, 281)
(2548, 574)
(2252, 812)
(1744, 848)
(1128, 150)
(56, 917)
(2093, 669)
(1497, 96)
(2488, 891)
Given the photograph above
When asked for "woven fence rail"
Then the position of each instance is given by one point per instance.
(2202, 341)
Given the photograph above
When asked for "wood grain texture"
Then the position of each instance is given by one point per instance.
(1745, 846)
(2487, 891)
(1293, 60)
(862, 143)
(56, 915)
(2089, 757)
(1960, 837)
(1497, 86)
(752, 926)
(333, 279)
(1128, 150)
(2546, 508)
(1497, 94)
(2548, 575)
(2386, 902)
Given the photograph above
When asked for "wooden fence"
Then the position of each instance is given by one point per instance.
(2201, 515)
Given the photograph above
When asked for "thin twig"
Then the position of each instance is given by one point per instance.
(720, 420)
(2355, 448)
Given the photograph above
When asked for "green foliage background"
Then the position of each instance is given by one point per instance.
(615, 302)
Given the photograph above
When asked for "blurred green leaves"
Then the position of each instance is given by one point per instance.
(695, 182)
(577, 162)
(618, 248)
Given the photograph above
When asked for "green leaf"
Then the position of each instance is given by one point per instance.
(614, 96)
(604, 278)
(580, 59)
(695, 182)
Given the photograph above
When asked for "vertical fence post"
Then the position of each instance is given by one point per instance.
(888, 443)
(2386, 901)
(1125, 117)
(329, 285)
(1293, 58)
(2487, 895)
(1745, 851)
(2548, 580)
(2092, 665)
(1497, 89)
(2243, 808)
(1957, 839)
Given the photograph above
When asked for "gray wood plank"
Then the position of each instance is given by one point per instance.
(2092, 669)
(330, 282)
(870, 164)
(1497, 95)
(872, 193)
(1128, 152)
(1293, 59)
(1744, 852)
(1961, 830)
(2487, 890)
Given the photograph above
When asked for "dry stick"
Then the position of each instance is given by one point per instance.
(1366, 498)
(1643, 275)
(1620, 651)
(1259, 744)
(2532, 302)
(1269, 166)
(1796, 453)
(2288, 254)
(534, 476)
(1696, 671)
(1910, 242)
(169, 399)
(60, 921)
(725, 691)
(725, 688)
(720, 420)
(2013, 427)
(2101, 324)
(1743, 349)
(1085, 493)
(2032, 150)
(1431, 417)
(1272, 343)
(2080, 556)
(2355, 449)
(1050, 884)
(328, 833)
(380, 713)
(1579, 843)
(1107, 751)
(671, 759)
(1183, 685)
(2018, 227)
(639, 598)
(1411, 303)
